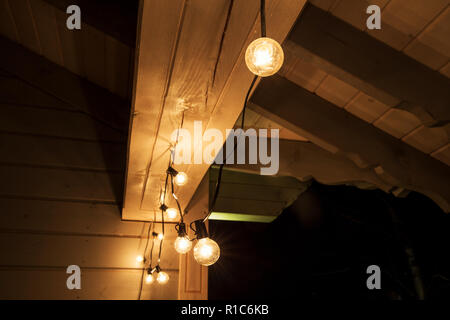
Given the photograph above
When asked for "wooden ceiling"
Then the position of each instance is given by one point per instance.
(391, 83)
(101, 57)
(184, 66)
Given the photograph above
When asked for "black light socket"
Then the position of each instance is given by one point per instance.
(181, 229)
(200, 229)
(172, 171)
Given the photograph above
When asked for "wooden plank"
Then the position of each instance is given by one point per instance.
(47, 29)
(105, 284)
(443, 154)
(190, 80)
(15, 91)
(61, 184)
(26, 25)
(196, 45)
(58, 123)
(117, 67)
(255, 192)
(62, 217)
(7, 24)
(114, 18)
(247, 206)
(336, 91)
(54, 250)
(370, 66)
(93, 54)
(432, 47)
(70, 44)
(366, 108)
(236, 177)
(57, 81)
(300, 162)
(157, 31)
(397, 123)
(426, 139)
(354, 11)
(52, 152)
(403, 20)
(337, 131)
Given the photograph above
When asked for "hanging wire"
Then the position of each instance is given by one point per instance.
(150, 227)
(263, 18)
(219, 177)
(162, 217)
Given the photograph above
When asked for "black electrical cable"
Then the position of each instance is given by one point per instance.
(219, 178)
(143, 268)
(263, 18)
(162, 217)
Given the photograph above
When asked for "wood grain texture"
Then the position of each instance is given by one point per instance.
(58, 82)
(182, 80)
(61, 153)
(370, 66)
(96, 284)
(332, 128)
(57, 123)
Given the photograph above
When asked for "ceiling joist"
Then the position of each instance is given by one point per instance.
(337, 131)
(371, 66)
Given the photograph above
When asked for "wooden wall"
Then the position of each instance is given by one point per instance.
(61, 188)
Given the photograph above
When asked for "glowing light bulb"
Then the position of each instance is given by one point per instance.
(139, 258)
(181, 179)
(160, 236)
(162, 278)
(149, 279)
(264, 57)
(172, 213)
(206, 252)
(183, 244)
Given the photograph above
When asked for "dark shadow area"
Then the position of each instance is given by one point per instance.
(321, 246)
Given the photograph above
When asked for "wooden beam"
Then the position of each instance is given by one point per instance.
(182, 67)
(334, 129)
(64, 85)
(370, 65)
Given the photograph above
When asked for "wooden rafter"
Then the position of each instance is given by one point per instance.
(337, 131)
(183, 64)
(370, 65)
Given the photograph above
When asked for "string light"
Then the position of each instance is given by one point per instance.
(206, 251)
(181, 179)
(182, 243)
(149, 279)
(264, 56)
(162, 277)
(139, 259)
(172, 213)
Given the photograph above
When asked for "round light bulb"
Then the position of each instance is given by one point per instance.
(264, 57)
(181, 179)
(162, 278)
(183, 244)
(149, 279)
(160, 236)
(206, 252)
(172, 213)
(139, 258)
